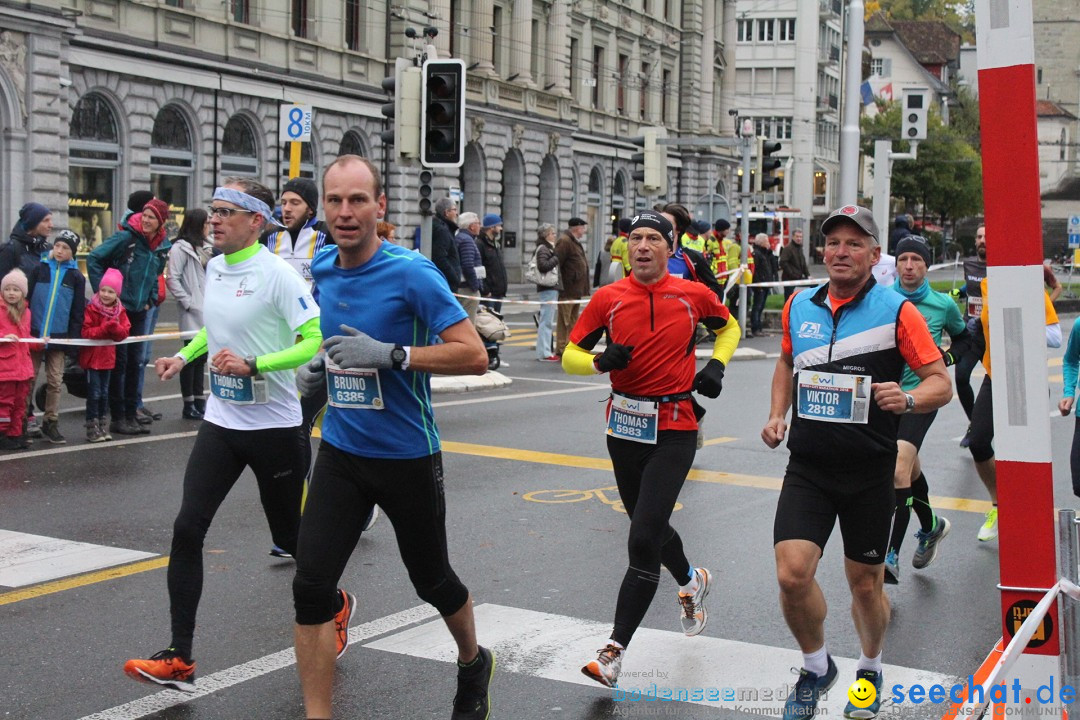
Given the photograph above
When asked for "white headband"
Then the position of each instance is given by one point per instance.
(247, 202)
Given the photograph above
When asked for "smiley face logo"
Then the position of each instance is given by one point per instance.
(861, 693)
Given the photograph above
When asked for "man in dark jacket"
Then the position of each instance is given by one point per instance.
(494, 285)
(574, 273)
(763, 272)
(139, 251)
(793, 263)
(443, 250)
(28, 241)
(57, 292)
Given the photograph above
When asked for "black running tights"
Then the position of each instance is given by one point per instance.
(649, 479)
(216, 462)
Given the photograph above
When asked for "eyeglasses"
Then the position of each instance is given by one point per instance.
(225, 212)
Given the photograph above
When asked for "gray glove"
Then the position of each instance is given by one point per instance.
(310, 378)
(354, 349)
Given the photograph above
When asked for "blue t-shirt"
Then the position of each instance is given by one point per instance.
(400, 297)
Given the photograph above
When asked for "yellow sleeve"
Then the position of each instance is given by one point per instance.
(727, 339)
(576, 361)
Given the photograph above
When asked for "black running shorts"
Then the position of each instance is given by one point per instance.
(811, 501)
(914, 426)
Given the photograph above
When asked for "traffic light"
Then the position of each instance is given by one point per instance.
(426, 177)
(913, 110)
(403, 111)
(653, 159)
(442, 129)
(766, 164)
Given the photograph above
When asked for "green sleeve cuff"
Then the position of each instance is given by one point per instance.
(298, 354)
(195, 348)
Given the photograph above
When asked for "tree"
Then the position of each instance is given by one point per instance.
(957, 14)
(945, 183)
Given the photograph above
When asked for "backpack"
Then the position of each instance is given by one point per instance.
(490, 325)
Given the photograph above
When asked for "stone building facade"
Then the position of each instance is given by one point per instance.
(102, 97)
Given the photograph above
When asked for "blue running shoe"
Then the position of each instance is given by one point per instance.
(803, 700)
(927, 551)
(892, 568)
(870, 709)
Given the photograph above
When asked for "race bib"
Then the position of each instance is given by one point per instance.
(238, 390)
(636, 420)
(834, 397)
(357, 389)
(974, 306)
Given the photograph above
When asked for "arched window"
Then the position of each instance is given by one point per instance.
(351, 144)
(93, 160)
(239, 151)
(172, 163)
(618, 198)
(593, 201)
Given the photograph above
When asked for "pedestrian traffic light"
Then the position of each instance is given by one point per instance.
(426, 177)
(653, 160)
(442, 129)
(913, 110)
(403, 110)
(764, 179)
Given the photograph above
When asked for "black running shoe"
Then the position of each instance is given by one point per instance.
(473, 699)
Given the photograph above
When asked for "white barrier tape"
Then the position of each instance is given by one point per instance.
(83, 342)
(1016, 646)
(510, 301)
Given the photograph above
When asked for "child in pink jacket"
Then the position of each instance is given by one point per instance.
(16, 370)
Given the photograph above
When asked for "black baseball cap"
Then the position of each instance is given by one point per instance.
(852, 213)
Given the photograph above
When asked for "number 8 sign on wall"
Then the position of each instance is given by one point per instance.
(295, 123)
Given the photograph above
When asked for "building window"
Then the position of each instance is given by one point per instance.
(175, 3)
(787, 30)
(93, 159)
(497, 44)
(300, 18)
(877, 67)
(598, 58)
(745, 31)
(665, 108)
(1038, 76)
(240, 10)
(172, 163)
(351, 144)
(765, 30)
(1064, 143)
(643, 95)
(575, 73)
(239, 153)
(620, 99)
(353, 25)
(783, 128)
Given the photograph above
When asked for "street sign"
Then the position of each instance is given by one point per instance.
(1074, 231)
(295, 123)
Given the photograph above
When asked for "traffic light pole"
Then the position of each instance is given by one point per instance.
(883, 160)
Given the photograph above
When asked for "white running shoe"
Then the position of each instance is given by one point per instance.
(606, 667)
(694, 615)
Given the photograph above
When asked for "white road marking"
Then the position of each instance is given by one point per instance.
(564, 382)
(255, 668)
(29, 559)
(555, 647)
(137, 440)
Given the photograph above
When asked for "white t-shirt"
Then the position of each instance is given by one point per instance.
(884, 270)
(254, 308)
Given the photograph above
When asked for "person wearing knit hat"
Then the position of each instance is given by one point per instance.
(36, 219)
(495, 282)
(909, 482)
(139, 250)
(16, 278)
(15, 366)
(112, 279)
(57, 297)
(304, 235)
(644, 318)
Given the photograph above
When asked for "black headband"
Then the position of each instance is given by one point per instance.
(656, 222)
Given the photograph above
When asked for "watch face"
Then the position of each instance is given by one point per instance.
(397, 355)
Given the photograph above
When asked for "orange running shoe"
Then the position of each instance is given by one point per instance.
(168, 668)
(341, 621)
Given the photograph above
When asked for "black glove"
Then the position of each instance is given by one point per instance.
(710, 381)
(947, 357)
(614, 357)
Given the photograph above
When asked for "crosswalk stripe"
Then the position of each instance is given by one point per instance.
(27, 559)
(554, 647)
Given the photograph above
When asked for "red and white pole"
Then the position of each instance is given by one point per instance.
(1004, 34)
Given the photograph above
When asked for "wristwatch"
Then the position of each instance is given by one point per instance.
(253, 366)
(910, 403)
(398, 356)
